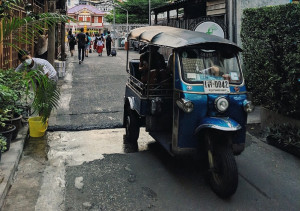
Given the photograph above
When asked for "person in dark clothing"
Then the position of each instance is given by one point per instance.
(81, 41)
(72, 42)
(108, 43)
(157, 62)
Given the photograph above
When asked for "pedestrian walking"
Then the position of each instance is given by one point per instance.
(95, 42)
(72, 42)
(100, 45)
(108, 44)
(92, 45)
(87, 44)
(81, 41)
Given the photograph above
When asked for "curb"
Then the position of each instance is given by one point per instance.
(9, 163)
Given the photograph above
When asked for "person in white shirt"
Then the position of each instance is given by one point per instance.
(29, 63)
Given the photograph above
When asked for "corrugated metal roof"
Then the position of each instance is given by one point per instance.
(88, 7)
(176, 37)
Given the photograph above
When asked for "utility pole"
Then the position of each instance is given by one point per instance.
(149, 12)
(51, 35)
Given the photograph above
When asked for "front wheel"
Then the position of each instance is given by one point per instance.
(223, 177)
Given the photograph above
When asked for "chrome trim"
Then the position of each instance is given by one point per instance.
(231, 93)
(216, 102)
(217, 127)
(131, 102)
(135, 91)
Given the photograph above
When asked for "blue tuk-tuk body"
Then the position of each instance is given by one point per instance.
(202, 103)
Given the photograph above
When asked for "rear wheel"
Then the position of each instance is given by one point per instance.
(132, 129)
(223, 173)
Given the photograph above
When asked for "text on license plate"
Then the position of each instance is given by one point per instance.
(216, 86)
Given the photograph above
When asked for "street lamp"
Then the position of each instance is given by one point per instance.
(126, 15)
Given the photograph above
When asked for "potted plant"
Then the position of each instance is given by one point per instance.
(13, 97)
(46, 98)
(6, 130)
(2, 145)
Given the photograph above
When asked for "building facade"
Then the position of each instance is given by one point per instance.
(89, 17)
(218, 17)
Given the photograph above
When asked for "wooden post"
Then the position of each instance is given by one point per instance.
(51, 35)
(10, 49)
(63, 36)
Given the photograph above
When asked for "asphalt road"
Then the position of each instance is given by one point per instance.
(92, 93)
(88, 169)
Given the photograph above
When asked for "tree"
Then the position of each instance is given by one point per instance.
(138, 11)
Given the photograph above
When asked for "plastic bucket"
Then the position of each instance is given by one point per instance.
(36, 126)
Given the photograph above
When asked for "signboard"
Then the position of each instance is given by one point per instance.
(210, 27)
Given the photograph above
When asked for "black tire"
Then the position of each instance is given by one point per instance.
(223, 177)
(132, 128)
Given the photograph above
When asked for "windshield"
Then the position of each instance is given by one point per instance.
(200, 65)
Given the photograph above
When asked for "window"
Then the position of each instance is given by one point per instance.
(198, 65)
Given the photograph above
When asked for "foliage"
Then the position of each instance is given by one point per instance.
(2, 143)
(16, 87)
(3, 118)
(47, 94)
(33, 23)
(24, 30)
(138, 11)
(285, 134)
(13, 92)
(270, 37)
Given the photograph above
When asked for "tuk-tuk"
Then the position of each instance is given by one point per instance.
(196, 101)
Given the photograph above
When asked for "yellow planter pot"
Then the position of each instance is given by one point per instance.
(36, 126)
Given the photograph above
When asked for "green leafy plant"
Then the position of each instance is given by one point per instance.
(13, 92)
(137, 11)
(31, 24)
(270, 37)
(3, 118)
(2, 143)
(46, 93)
(285, 134)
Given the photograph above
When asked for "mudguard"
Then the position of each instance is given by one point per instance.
(131, 102)
(218, 123)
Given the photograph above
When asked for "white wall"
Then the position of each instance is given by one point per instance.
(243, 4)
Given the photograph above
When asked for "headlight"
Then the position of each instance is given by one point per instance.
(221, 104)
(186, 105)
(248, 106)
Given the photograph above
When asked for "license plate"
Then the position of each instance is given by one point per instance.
(216, 86)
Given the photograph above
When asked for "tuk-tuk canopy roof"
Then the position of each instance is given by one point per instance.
(176, 37)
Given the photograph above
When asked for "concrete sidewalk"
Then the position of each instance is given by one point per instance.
(9, 163)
